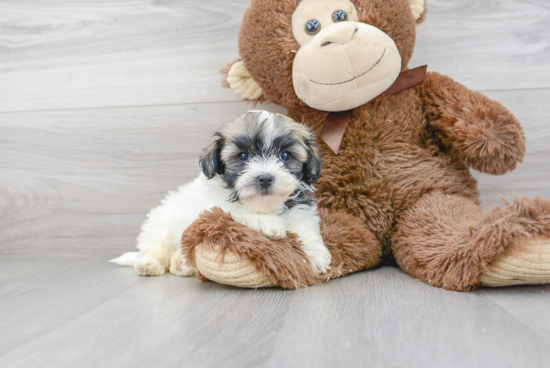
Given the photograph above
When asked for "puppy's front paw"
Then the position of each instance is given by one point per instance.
(272, 227)
(320, 263)
(148, 266)
(319, 256)
(273, 230)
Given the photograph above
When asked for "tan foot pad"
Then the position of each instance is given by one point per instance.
(525, 264)
(233, 270)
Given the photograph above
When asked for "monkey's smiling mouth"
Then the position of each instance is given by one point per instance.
(354, 78)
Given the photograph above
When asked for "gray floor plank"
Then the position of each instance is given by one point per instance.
(171, 318)
(388, 319)
(46, 299)
(127, 53)
(90, 313)
(530, 305)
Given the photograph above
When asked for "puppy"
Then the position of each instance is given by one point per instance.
(260, 168)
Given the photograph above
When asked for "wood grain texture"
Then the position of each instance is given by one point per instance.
(70, 54)
(487, 44)
(86, 54)
(83, 180)
(66, 311)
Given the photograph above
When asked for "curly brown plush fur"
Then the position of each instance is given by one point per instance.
(351, 245)
(400, 185)
(479, 131)
(281, 259)
(448, 241)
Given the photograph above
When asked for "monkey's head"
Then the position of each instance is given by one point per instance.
(332, 55)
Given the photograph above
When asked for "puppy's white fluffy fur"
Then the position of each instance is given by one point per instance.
(159, 240)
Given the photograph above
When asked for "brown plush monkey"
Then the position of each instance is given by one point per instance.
(395, 182)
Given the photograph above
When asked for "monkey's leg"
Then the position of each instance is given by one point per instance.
(448, 241)
(233, 254)
(352, 245)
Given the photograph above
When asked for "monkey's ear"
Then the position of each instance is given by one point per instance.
(312, 167)
(237, 77)
(210, 160)
(419, 10)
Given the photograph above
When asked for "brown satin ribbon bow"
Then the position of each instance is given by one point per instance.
(336, 122)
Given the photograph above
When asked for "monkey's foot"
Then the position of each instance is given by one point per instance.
(522, 263)
(236, 270)
(230, 253)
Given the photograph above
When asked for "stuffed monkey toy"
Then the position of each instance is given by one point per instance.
(397, 145)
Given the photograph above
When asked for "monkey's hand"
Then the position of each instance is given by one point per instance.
(478, 130)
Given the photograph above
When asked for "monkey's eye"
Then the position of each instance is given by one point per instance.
(313, 27)
(339, 16)
(243, 156)
(285, 156)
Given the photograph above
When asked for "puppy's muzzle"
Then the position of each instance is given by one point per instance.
(265, 181)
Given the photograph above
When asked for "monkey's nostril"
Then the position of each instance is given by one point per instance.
(326, 43)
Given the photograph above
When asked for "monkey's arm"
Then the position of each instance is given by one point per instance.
(478, 130)
(230, 253)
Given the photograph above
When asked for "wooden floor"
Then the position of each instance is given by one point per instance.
(80, 311)
(105, 105)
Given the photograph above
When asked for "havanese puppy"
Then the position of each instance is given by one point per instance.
(260, 168)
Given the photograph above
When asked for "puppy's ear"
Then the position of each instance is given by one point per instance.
(210, 160)
(312, 167)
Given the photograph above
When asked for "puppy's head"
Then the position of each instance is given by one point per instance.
(264, 159)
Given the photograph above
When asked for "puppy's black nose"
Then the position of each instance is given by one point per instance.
(265, 180)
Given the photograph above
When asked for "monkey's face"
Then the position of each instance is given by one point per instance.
(331, 55)
(342, 63)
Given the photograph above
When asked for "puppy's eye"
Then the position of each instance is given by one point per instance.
(285, 156)
(313, 27)
(243, 156)
(339, 16)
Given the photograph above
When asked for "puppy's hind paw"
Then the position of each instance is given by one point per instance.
(178, 266)
(321, 267)
(319, 259)
(148, 266)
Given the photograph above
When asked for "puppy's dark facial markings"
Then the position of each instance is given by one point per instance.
(256, 141)
(312, 167)
(259, 146)
(284, 143)
(210, 160)
(250, 145)
(301, 196)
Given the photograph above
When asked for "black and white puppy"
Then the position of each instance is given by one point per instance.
(260, 168)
